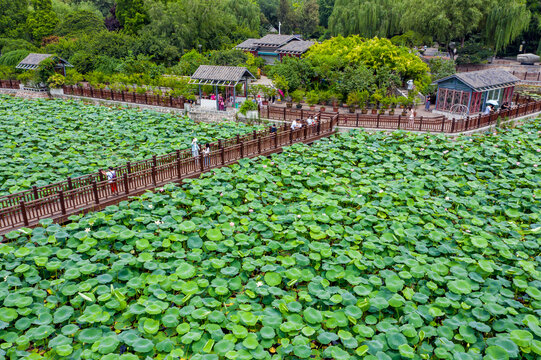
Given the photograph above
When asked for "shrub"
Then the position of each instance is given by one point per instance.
(246, 106)
(56, 81)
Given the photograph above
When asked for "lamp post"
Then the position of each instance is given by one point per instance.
(200, 46)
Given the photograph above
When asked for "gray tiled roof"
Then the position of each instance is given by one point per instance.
(248, 44)
(33, 60)
(275, 40)
(295, 47)
(484, 79)
(221, 73)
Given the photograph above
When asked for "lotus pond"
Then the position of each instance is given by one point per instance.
(44, 141)
(364, 247)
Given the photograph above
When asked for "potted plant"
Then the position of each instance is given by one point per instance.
(393, 102)
(385, 102)
(334, 98)
(375, 100)
(312, 98)
(324, 97)
(363, 100)
(249, 109)
(55, 84)
(352, 101)
(298, 96)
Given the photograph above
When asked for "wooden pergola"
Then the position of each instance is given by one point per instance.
(221, 76)
(32, 61)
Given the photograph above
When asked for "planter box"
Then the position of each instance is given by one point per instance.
(106, 94)
(87, 92)
(5, 84)
(56, 92)
(77, 90)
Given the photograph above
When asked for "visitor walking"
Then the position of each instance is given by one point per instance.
(427, 102)
(294, 125)
(411, 117)
(273, 129)
(111, 178)
(195, 148)
(206, 155)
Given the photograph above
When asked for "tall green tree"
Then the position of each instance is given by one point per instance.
(367, 18)
(42, 20)
(269, 10)
(132, 15)
(286, 17)
(13, 14)
(444, 20)
(308, 18)
(505, 21)
(325, 10)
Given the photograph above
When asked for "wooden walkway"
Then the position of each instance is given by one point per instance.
(439, 124)
(92, 192)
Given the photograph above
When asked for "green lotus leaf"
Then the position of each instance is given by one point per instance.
(151, 326)
(495, 352)
(459, 287)
(62, 314)
(522, 338)
(302, 351)
(64, 350)
(214, 235)
(273, 279)
(143, 345)
(90, 335)
(222, 347)
(326, 337)
(187, 226)
(185, 271)
(108, 344)
(250, 342)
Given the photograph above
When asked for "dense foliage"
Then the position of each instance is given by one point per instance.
(353, 64)
(101, 34)
(363, 246)
(45, 141)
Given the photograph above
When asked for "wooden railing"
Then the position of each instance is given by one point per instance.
(440, 124)
(91, 192)
(125, 96)
(9, 84)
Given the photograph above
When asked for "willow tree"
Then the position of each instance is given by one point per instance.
(506, 20)
(367, 18)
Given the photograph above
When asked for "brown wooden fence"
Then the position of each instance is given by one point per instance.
(92, 192)
(395, 122)
(125, 96)
(9, 84)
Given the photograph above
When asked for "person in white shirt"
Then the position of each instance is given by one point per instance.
(111, 178)
(294, 125)
(206, 153)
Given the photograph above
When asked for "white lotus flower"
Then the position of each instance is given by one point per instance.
(87, 230)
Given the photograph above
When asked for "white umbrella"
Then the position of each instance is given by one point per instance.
(493, 102)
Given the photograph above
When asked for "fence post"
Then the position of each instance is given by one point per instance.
(126, 184)
(23, 212)
(242, 149)
(290, 136)
(318, 126)
(285, 113)
(377, 122)
(154, 175)
(154, 162)
(35, 191)
(268, 111)
(219, 143)
(479, 121)
(179, 170)
(222, 154)
(95, 191)
(420, 123)
(238, 138)
(453, 126)
(305, 132)
(128, 164)
(62, 202)
(357, 121)
(259, 145)
(442, 124)
(302, 114)
(399, 118)
(525, 75)
(276, 140)
(255, 134)
(70, 184)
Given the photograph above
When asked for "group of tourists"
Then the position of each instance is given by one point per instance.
(221, 102)
(196, 150)
(300, 123)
